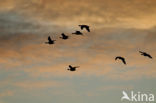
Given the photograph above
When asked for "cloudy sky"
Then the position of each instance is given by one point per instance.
(33, 72)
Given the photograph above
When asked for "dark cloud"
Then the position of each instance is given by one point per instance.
(95, 12)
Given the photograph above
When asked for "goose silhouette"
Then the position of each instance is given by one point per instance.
(85, 26)
(145, 54)
(71, 68)
(50, 41)
(77, 33)
(121, 58)
(64, 36)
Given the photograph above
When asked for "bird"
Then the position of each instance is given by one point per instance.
(50, 41)
(77, 33)
(121, 58)
(85, 26)
(125, 96)
(71, 68)
(64, 36)
(145, 54)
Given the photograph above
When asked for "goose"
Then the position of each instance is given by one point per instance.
(121, 58)
(77, 33)
(85, 26)
(71, 68)
(145, 54)
(50, 41)
(64, 36)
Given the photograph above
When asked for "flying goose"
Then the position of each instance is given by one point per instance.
(77, 33)
(71, 68)
(121, 58)
(50, 41)
(85, 26)
(64, 36)
(145, 54)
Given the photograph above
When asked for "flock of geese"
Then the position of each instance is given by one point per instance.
(87, 28)
(142, 53)
(63, 36)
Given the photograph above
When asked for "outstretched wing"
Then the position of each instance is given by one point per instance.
(49, 38)
(123, 60)
(141, 52)
(116, 58)
(81, 26)
(87, 28)
(149, 56)
(70, 67)
(63, 34)
(77, 67)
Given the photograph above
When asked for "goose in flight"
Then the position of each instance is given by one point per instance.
(50, 41)
(64, 36)
(145, 54)
(77, 33)
(121, 58)
(71, 68)
(85, 26)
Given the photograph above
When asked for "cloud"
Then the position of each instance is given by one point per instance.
(6, 94)
(37, 85)
(30, 67)
(121, 13)
(94, 53)
(114, 31)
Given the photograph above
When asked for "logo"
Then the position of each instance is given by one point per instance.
(137, 97)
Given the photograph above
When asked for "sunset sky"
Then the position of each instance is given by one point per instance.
(33, 72)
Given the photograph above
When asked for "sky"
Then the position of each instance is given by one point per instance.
(33, 72)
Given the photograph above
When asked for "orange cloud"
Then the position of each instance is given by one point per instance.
(6, 93)
(26, 29)
(39, 84)
(94, 53)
